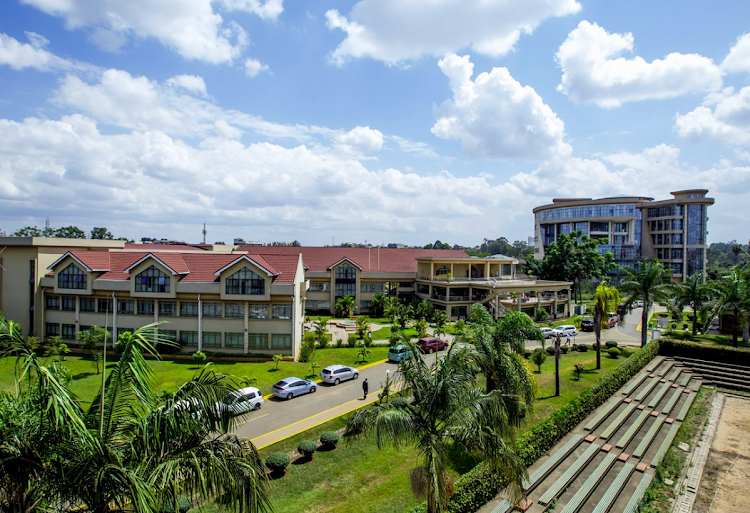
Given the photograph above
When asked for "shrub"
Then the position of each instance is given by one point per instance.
(550, 350)
(323, 342)
(539, 357)
(199, 357)
(277, 462)
(329, 438)
(564, 349)
(582, 348)
(527, 354)
(184, 504)
(307, 448)
(613, 352)
(610, 343)
(308, 347)
(475, 488)
(339, 343)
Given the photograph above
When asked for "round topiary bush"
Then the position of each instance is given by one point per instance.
(613, 352)
(329, 438)
(199, 357)
(550, 350)
(610, 343)
(277, 462)
(583, 347)
(307, 448)
(564, 349)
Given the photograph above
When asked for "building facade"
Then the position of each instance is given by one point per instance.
(250, 299)
(673, 230)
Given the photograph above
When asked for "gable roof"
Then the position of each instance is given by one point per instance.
(258, 261)
(172, 261)
(91, 260)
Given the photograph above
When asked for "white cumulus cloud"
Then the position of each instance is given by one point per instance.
(360, 140)
(192, 28)
(395, 31)
(33, 55)
(723, 116)
(192, 83)
(253, 67)
(594, 70)
(738, 59)
(495, 117)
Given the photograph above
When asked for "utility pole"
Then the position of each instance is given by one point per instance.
(204, 233)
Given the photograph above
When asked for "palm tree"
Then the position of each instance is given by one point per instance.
(693, 293)
(733, 298)
(345, 306)
(606, 299)
(319, 328)
(363, 326)
(446, 409)
(650, 284)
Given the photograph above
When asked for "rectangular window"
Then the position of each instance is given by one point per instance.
(69, 331)
(364, 305)
(257, 340)
(83, 328)
(69, 303)
(406, 284)
(167, 308)
(188, 309)
(458, 311)
(170, 335)
(234, 310)
(677, 253)
(281, 341)
(53, 302)
(312, 304)
(211, 309)
(282, 311)
(371, 287)
(423, 288)
(620, 227)
(104, 305)
(211, 339)
(125, 306)
(320, 287)
(234, 340)
(52, 329)
(145, 307)
(599, 227)
(257, 311)
(189, 338)
(88, 304)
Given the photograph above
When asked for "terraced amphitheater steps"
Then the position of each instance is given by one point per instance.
(664, 447)
(694, 361)
(686, 406)
(588, 486)
(548, 466)
(686, 377)
(664, 370)
(570, 474)
(613, 403)
(719, 369)
(659, 394)
(655, 364)
(610, 496)
(634, 384)
(672, 400)
(647, 390)
(638, 494)
(675, 373)
(619, 421)
(504, 507)
(649, 438)
(633, 429)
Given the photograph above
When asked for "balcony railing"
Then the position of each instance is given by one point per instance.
(491, 280)
(441, 297)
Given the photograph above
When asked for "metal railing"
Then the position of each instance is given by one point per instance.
(466, 279)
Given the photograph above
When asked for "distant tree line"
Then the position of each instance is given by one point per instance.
(67, 232)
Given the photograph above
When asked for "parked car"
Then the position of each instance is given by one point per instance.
(613, 318)
(289, 387)
(587, 325)
(431, 344)
(566, 329)
(242, 400)
(547, 332)
(337, 373)
(398, 353)
(637, 304)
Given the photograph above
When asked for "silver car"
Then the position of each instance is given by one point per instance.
(337, 373)
(289, 387)
(242, 400)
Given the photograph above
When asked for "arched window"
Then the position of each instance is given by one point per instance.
(152, 280)
(246, 282)
(72, 277)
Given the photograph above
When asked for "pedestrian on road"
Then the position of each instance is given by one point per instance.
(567, 342)
(365, 388)
(369, 337)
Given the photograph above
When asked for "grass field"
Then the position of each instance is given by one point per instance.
(359, 478)
(170, 374)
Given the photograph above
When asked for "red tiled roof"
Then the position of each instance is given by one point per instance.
(149, 248)
(389, 260)
(94, 260)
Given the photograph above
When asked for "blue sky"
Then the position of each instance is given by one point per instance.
(379, 120)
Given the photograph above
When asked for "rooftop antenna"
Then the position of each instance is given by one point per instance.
(204, 233)
(46, 224)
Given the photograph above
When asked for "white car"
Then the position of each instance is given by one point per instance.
(566, 329)
(547, 332)
(242, 400)
(337, 373)
(637, 304)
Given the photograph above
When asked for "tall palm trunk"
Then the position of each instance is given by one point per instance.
(695, 320)
(644, 323)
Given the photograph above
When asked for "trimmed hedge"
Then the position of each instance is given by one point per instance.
(329, 438)
(478, 486)
(715, 353)
(307, 448)
(278, 461)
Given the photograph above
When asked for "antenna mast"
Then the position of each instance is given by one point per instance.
(204, 233)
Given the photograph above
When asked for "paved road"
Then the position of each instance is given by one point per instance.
(280, 419)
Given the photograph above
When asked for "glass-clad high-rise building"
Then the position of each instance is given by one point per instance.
(673, 230)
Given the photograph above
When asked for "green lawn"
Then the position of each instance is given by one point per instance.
(385, 333)
(359, 478)
(170, 374)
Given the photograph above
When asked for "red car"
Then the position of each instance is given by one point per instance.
(431, 344)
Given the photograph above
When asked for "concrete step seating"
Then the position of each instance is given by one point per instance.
(539, 474)
(649, 438)
(686, 406)
(632, 430)
(665, 445)
(709, 363)
(675, 373)
(634, 384)
(664, 369)
(646, 390)
(672, 400)
(504, 507)
(659, 394)
(569, 475)
(606, 411)
(632, 504)
(685, 379)
(719, 369)
(619, 421)
(654, 364)
(584, 492)
(610, 496)
(725, 375)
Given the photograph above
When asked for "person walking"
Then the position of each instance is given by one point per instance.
(567, 339)
(365, 388)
